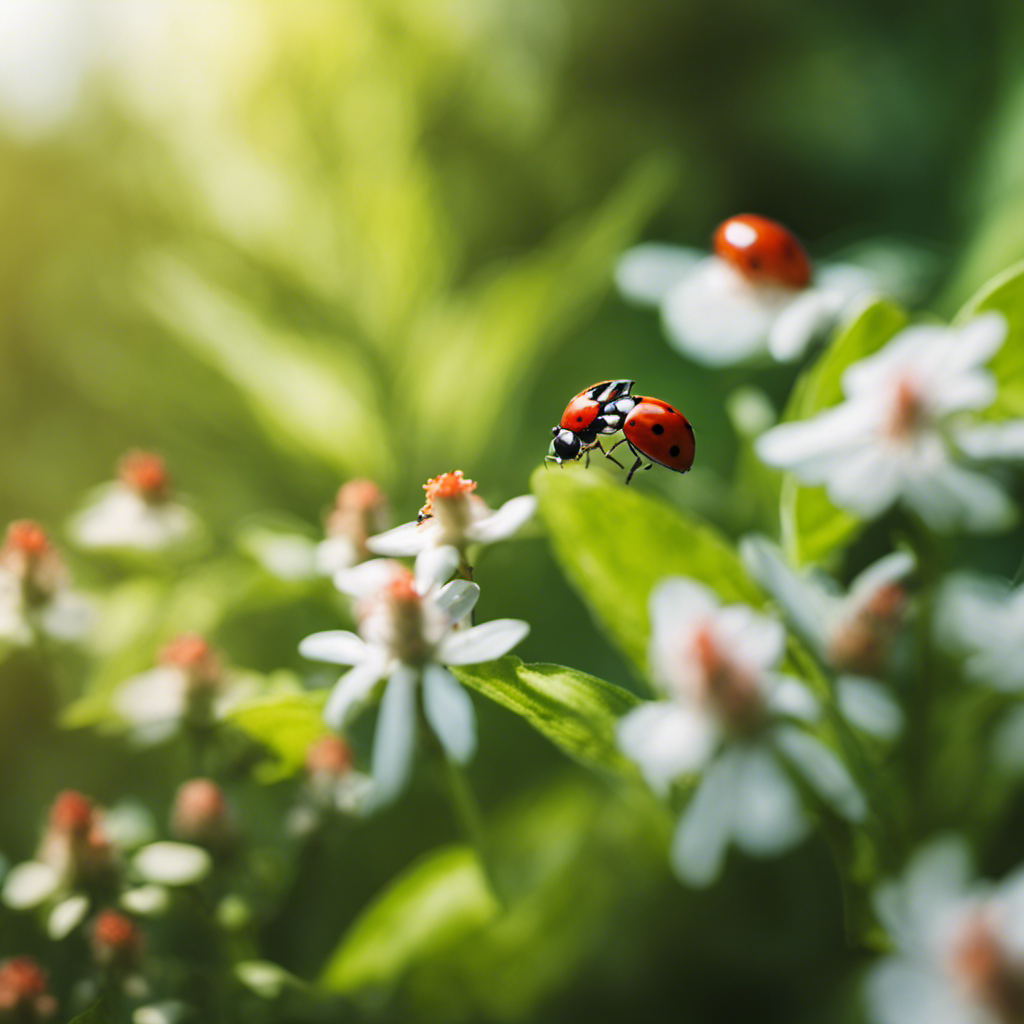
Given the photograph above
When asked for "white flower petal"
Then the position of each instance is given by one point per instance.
(809, 445)
(801, 601)
(1004, 440)
(750, 638)
(69, 616)
(369, 578)
(449, 710)
(156, 697)
(395, 737)
(505, 521)
(717, 317)
(768, 815)
(890, 569)
(146, 900)
(667, 740)
(1008, 741)
(866, 482)
(679, 599)
(702, 835)
(337, 646)
(120, 518)
(407, 539)
(481, 643)
(457, 599)
(902, 991)
(172, 863)
(953, 496)
(646, 273)
(809, 315)
(329, 557)
(867, 705)
(29, 884)
(351, 690)
(66, 916)
(435, 566)
(789, 696)
(823, 771)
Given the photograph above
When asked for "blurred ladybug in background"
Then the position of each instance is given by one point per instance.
(651, 428)
(762, 250)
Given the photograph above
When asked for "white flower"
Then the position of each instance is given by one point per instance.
(407, 635)
(35, 592)
(715, 315)
(136, 511)
(729, 714)
(454, 516)
(892, 440)
(187, 686)
(852, 633)
(959, 945)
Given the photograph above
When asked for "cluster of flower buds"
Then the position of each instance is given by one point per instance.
(30, 558)
(360, 511)
(75, 844)
(116, 942)
(24, 997)
(201, 815)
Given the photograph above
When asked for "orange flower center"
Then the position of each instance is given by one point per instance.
(146, 474)
(908, 413)
(72, 812)
(329, 755)
(446, 487)
(862, 642)
(986, 973)
(195, 656)
(726, 686)
(21, 982)
(360, 510)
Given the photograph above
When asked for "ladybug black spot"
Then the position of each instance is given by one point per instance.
(674, 450)
(579, 419)
(658, 428)
(668, 408)
(754, 263)
(632, 423)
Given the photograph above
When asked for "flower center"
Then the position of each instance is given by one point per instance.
(986, 973)
(193, 655)
(21, 984)
(146, 474)
(403, 608)
(200, 813)
(29, 556)
(116, 942)
(360, 509)
(328, 756)
(726, 686)
(448, 498)
(861, 643)
(908, 413)
(72, 813)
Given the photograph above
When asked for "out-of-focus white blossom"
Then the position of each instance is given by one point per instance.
(136, 512)
(895, 438)
(407, 635)
(730, 715)
(454, 516)
(851, 632)
(959, 955)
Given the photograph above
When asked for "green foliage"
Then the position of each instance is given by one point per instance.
(576, 711)
(96, 1014)
(286, 724)
(615, 544)
(1004, 294)
(442, 898)
(812, 527)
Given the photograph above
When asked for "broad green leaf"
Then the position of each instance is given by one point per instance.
(287, 725)
(1004, 294)
(317, 398)
(576, 711)
(617, 543)
(443, 898)
(811, 525)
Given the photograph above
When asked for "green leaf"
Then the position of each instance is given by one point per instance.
(1004, 294)
(811, 525)
(96, 1014)
(287, 725)
(443, 898)
(576, 711)
(615, 544)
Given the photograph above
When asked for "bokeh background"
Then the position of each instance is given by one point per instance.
(286, 244)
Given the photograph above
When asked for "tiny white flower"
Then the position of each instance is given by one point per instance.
(407, 635)
(454, 516)
(959, 955)
(892, 440)
(718, 310)
(35, 590)
(851, 632)
(729, 714)
(136, 512)
(189, 685)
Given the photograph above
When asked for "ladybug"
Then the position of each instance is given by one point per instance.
(651, 428)
(599, 409)
(762, 250)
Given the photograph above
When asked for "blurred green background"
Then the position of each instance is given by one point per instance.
(285, 244)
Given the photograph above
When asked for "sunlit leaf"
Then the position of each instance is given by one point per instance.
(1004, 294)
(576, 711)
(287, 725)
(440, 900)
(615, 544)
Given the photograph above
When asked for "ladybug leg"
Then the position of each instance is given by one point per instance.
(607, 454)
(635, 467)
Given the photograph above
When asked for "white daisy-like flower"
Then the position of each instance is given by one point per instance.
(407, 635)
(35, 590)
(136, 512)
(894, 438)
(454, 516)
(852, 633)
(188, 686)
(959, 945)
(729, 714)
(755, 296)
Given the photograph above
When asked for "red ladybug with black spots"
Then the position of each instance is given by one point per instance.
(763, 251)
(651, 429)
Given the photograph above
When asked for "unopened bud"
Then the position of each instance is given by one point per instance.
(23, 993)
(116, 941)
(201, 814)
(145, 474)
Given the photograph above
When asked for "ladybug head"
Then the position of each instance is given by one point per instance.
(566, 445)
